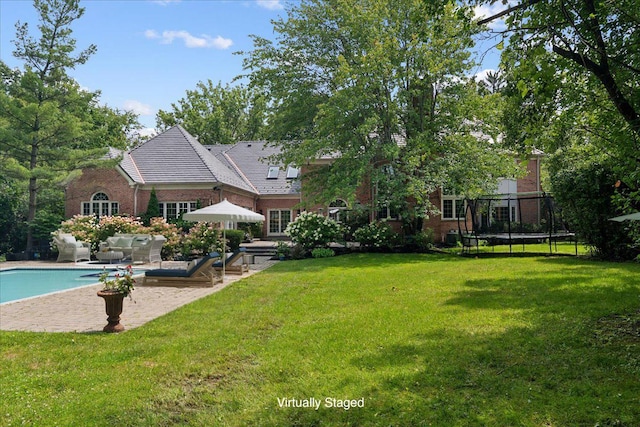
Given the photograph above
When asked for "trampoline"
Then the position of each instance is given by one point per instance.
(512, 219)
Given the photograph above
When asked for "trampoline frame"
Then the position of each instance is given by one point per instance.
(472, 237)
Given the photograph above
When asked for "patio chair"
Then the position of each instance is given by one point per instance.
(147, 250)
(236, 263)
(199, 273)
(70, 249)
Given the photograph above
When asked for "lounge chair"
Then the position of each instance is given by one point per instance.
(236, 263)
(199, 273)
(70, 249)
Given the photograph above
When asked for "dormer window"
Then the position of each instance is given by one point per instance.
(292, 173)
(273, 172)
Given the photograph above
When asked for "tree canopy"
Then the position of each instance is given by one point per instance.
(49, 126)
(379, 87)
(573, 90)
(217, 114)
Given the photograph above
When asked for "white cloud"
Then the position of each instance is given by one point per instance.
(147, 132)
(138, 107)
(190, 41)
(487, 10)
(165, 2)
(151, 34)
(270, 4)
(483, 74)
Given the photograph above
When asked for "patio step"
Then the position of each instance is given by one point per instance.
(260, 251)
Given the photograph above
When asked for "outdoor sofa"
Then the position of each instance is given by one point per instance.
(137, 247)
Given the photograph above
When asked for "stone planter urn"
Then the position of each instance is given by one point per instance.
(113, 305)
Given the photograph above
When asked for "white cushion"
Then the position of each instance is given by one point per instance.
(139, 242)
(112, 241)
(124, 242)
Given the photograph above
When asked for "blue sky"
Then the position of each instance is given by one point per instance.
(151, 52)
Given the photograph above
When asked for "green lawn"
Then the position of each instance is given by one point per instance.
(424, 339)
(557, 248)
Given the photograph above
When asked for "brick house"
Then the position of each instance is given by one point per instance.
(185, 174)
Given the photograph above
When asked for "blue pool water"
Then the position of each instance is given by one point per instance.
(20, 283)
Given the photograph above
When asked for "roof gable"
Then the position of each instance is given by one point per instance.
(175, 156)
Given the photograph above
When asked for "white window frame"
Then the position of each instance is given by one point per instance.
(100, 205)
(384, 212)
(180, 208)
(293, 172)
(507, 187)
(279, 231)
(455, 200)
(274, 172)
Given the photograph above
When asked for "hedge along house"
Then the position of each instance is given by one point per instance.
(187, 175)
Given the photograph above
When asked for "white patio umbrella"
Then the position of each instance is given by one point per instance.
(221, 212)
(630, 217)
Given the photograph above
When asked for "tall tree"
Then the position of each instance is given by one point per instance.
(493, 81)
(380, 87)
(573, 89)
(598, 40)
(50, 126)
(217, 114)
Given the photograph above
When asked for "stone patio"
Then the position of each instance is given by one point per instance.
(80, 310)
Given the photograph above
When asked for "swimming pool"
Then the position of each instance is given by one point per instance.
(20, 283)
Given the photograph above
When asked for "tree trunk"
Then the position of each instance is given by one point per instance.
(33, 186)
(603, 73)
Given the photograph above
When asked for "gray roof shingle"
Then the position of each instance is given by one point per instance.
(175, 156)
(249, 158)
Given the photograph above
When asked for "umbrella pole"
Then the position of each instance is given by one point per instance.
(224, 251)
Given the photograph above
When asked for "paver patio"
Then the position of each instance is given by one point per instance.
(81, 310)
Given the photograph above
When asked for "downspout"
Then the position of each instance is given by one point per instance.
(218, 188)
(135, 199)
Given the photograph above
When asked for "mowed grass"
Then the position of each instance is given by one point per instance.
(556, 248)
(424, 339)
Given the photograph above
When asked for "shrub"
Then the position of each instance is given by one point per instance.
(254, 229)
(170, 232)
(44, 224)
(322, 253)
(89, 229)
(424, 240)
(153, 208)
(283, 249)
(298, 252)
(202, 238)
(357, 217)
(582, 186)
(234, 238)
(311, 230)
(376, 235)
(83, 228)
(110, 225)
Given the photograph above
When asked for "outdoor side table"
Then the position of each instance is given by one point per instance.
(110, 256)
